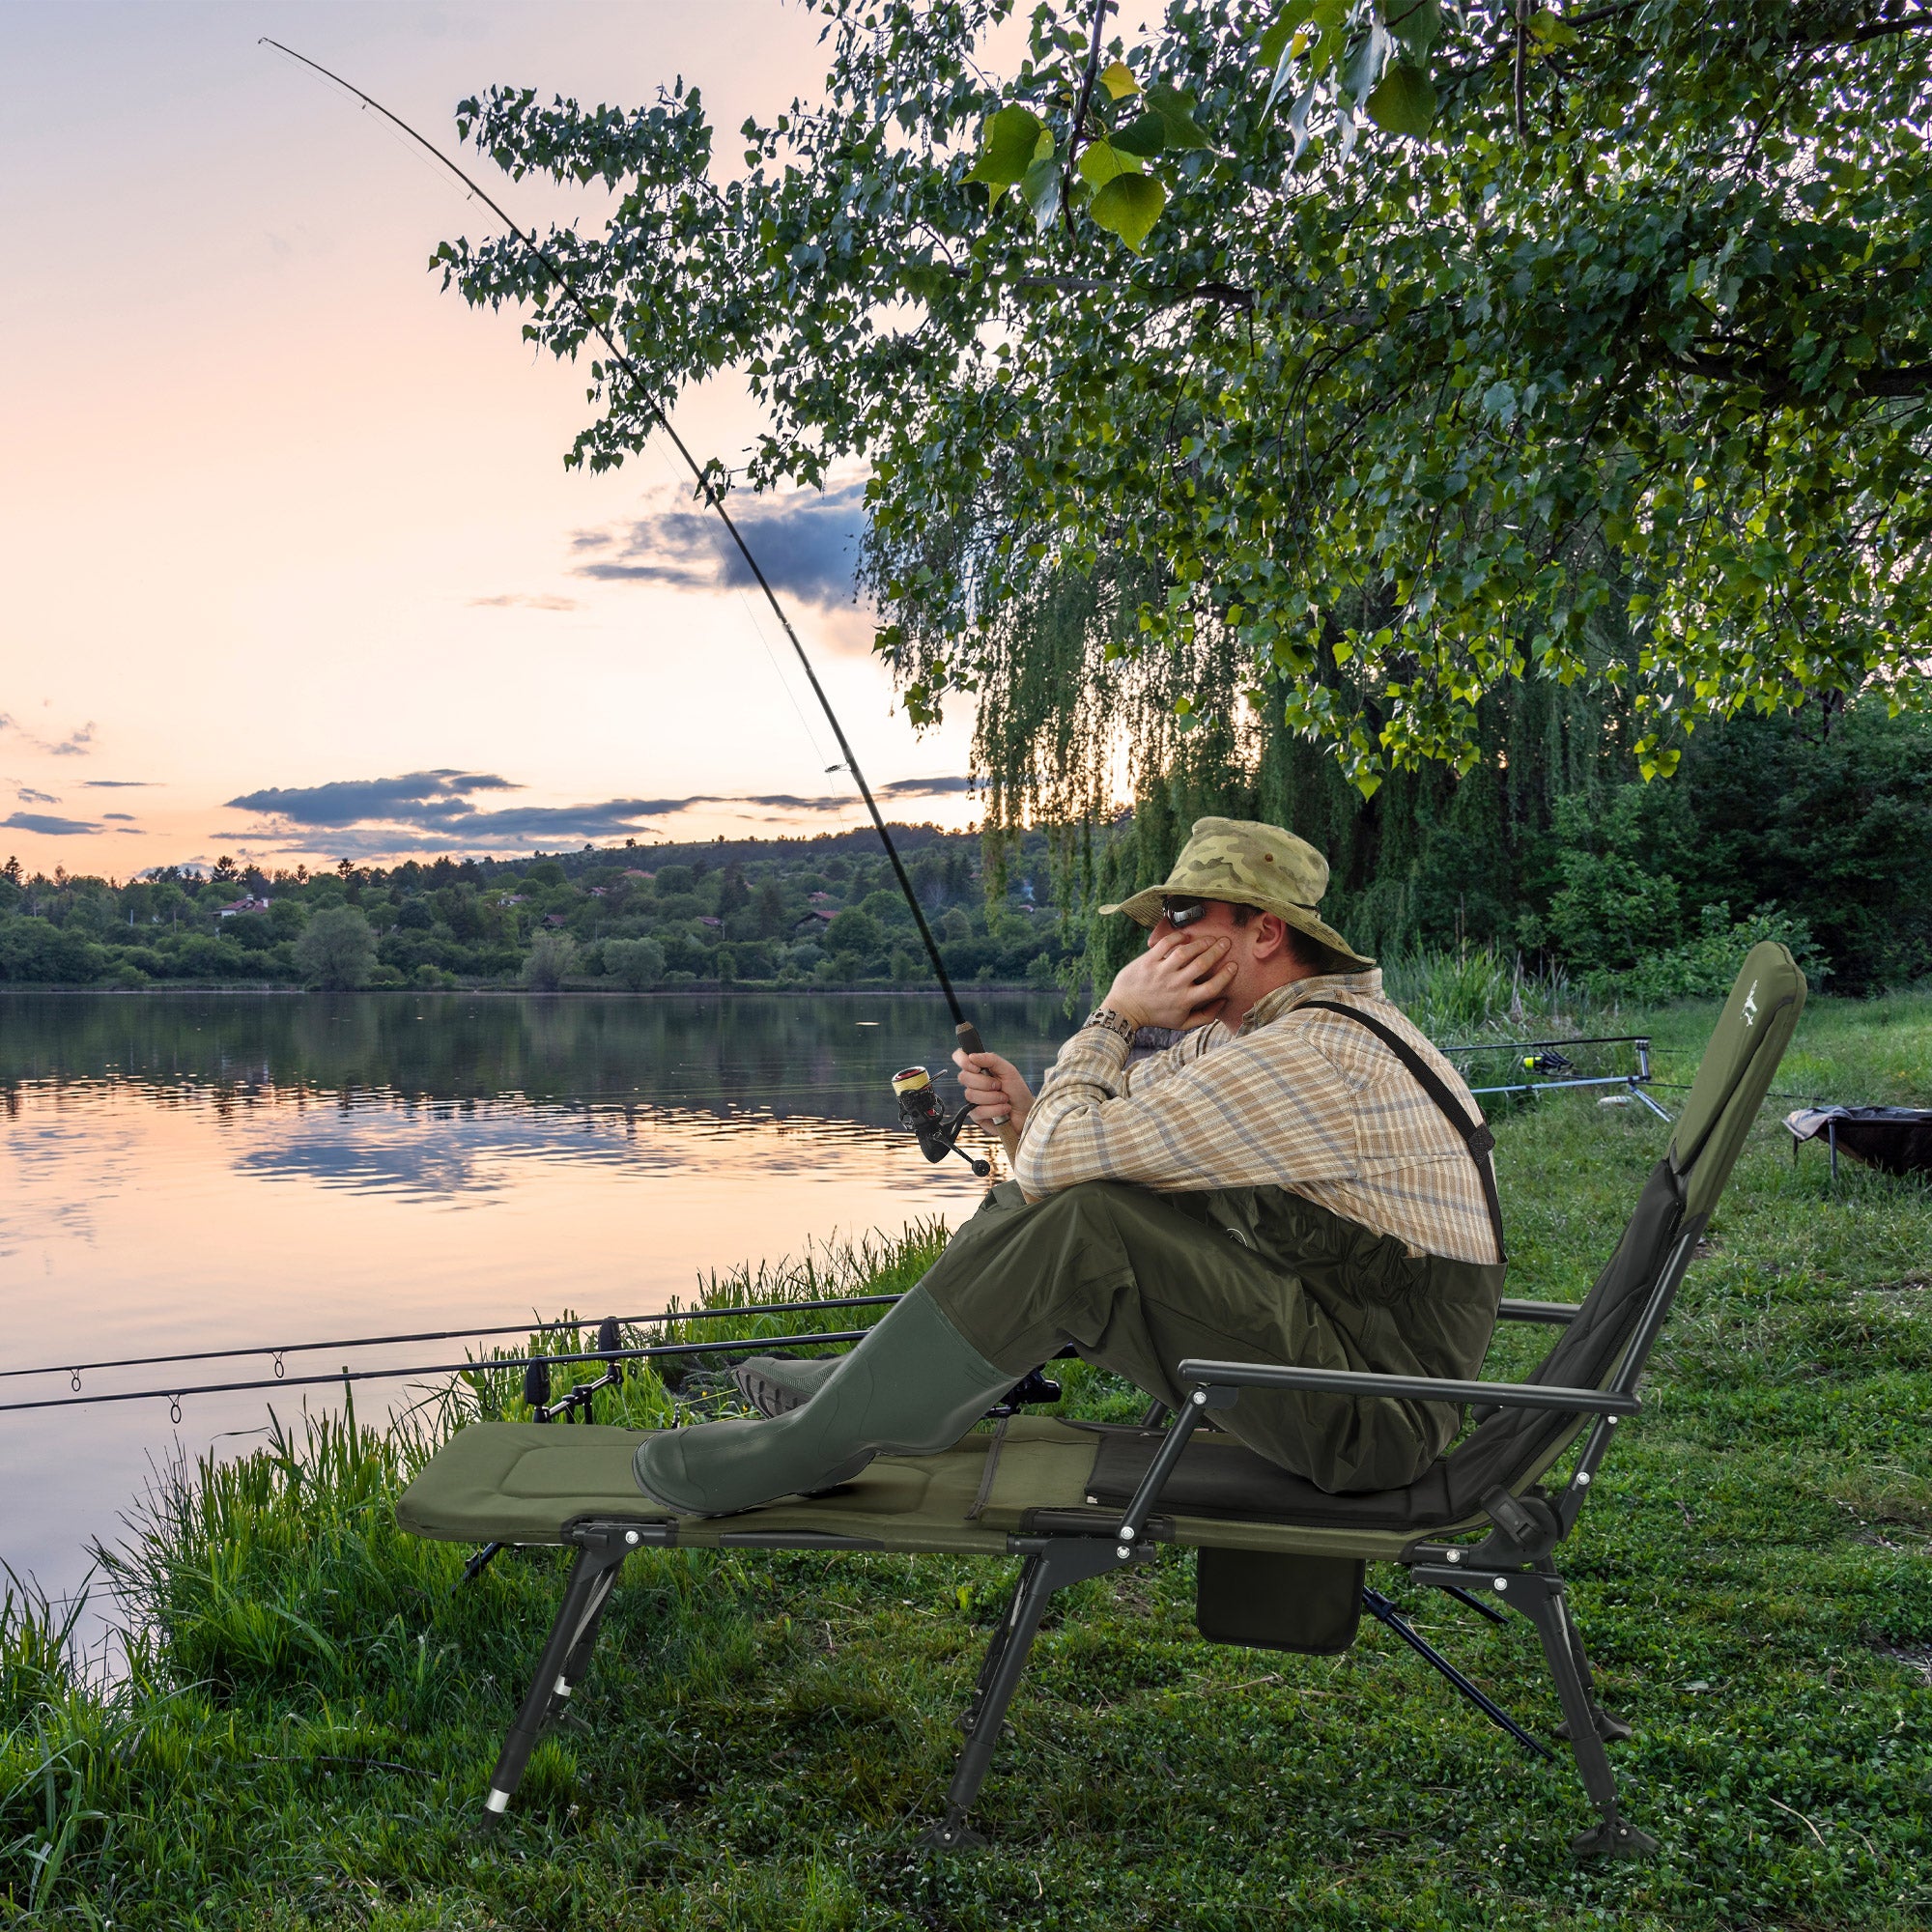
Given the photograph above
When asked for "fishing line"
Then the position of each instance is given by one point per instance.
(173, 1397)
(656, 448)
(448, 1335)
(713, 497)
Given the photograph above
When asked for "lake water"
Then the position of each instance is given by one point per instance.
(202, 1169)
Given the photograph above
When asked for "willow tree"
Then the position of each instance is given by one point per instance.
(1329, 370)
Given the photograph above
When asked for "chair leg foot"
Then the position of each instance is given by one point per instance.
(1612, 1838)
(952, 1833)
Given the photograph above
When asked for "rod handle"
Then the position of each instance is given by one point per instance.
(971, 1042)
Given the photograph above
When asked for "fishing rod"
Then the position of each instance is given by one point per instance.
(967, 1032)
(173, 1396)
(278, 1349)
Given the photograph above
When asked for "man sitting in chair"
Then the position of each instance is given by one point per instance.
(1302, 1177)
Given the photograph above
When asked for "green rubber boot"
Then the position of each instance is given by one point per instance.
(914, 1385)
(777, 1385)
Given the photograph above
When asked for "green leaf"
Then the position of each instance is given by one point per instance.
(1365, 67)
(1176, 109)
(1039, 187)
(1404, 102)
(1554, 31)
(1008, 146)
(1280, 30)
(1119, 82)
(1100, 161)
(1144, 135)
(1414, 23)
(1130, 206)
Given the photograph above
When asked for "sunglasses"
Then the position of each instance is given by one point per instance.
(1182, 913)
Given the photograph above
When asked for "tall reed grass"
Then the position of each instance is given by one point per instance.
(1476, 992)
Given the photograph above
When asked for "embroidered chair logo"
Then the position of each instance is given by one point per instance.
(1750, 1005)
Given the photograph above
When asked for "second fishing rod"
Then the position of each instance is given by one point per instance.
(919, 1109)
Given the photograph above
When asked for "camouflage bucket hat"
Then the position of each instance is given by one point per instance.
(1250, 864)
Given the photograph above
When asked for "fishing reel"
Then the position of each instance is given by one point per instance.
(920, 1111)
(1549, 1062)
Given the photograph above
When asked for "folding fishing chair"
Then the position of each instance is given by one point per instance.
(1280, 1563)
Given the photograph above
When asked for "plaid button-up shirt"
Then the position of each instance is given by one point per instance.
(1307, 1101)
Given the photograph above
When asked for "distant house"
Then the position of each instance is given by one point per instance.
(557, 918)
(246, 903)
(631, 872)
(821, 898)
(597, 891)
(513, 898)
(705, 918)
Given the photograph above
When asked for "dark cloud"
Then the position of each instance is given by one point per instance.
(27, 795)
(920, 787)
(119, 785)
(74, 745)
(429, 811)
(420, 798)
(47, 825)
(125, 818)
(805, 543)
(512, 600)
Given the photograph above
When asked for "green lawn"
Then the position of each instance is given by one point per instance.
(308, 1715)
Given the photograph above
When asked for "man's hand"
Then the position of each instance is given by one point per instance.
(995, 1088)
(1181, 980)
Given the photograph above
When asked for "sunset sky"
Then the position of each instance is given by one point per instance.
(294, 568)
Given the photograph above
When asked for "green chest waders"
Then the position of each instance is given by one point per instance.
(1408, 1314)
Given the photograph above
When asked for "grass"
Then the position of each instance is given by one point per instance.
(303, 1717)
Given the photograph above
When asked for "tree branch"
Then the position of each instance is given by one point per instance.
(1101, 9)
(1911, 379)
(1873, 30)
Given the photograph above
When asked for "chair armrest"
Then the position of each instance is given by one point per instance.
(1416, 1388)
(1560, 1314)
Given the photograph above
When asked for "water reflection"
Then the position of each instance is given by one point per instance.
(194, 1169)
(830, 1056)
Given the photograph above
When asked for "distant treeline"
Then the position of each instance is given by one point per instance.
(787, 912)
(1814, 827)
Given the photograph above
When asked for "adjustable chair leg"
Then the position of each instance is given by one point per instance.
(1006, 1659)
(1539, 1597)
(591, 1576)
(1050, 1568)
(996, 1649)
(1612, 1730)
(578, 1662)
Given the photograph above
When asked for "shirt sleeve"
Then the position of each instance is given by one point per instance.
(1264, 1109)
(1164, 1063)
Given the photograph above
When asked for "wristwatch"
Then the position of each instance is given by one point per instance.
(1106, 1017)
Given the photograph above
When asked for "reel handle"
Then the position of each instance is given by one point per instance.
(971, 1042)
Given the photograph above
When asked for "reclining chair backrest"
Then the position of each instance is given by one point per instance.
(1515, 1446)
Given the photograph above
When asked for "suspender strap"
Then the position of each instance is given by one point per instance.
(1475, 1134)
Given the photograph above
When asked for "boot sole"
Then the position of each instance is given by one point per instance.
(767, 1397)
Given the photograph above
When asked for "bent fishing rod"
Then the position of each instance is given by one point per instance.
(612, 1356)
(937, 1137)
(276, 1350)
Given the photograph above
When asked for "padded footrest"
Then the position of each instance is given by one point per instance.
(522, 1482)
